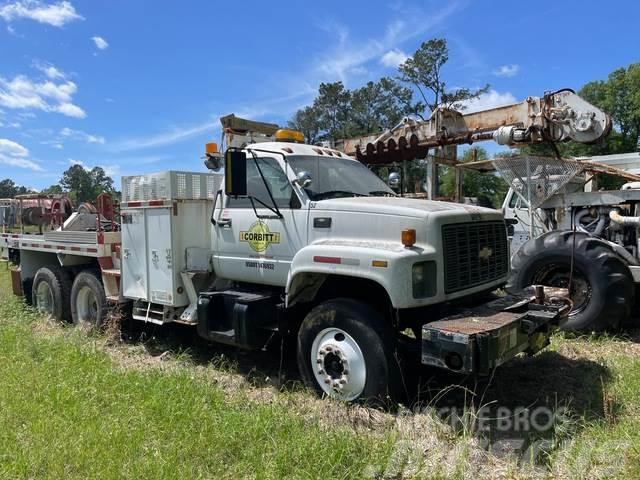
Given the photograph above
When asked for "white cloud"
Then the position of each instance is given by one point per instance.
(169, 137)
(507, 70)
(70, 110)
(80, 135)
(15, 155)
(14, 149)
(393, 58)
(491, 99)
(76, 162)
(25, 94)
(100, 42)
(339, 63)
(51, 72)
(56, 14)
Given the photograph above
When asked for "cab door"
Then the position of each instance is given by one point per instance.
(254, 245)
(515, 208)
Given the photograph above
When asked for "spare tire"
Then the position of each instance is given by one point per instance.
(602, 287)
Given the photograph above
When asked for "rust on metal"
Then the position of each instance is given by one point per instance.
(479, 322)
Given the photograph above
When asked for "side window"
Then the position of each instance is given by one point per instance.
(276, 180)
(513, 201)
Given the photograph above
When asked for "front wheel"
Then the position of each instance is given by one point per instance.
(347, 351)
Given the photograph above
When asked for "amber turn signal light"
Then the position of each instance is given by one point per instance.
(408, 237)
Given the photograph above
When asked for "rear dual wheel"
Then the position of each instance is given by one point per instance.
(84, 302)
(89, 306)
(50, 292)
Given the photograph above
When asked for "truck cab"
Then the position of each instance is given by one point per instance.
(311, 214)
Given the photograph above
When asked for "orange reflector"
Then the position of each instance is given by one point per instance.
(379, 263)
(211, 148)
(408, 237)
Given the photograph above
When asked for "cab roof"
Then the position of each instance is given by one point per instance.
(291, 148)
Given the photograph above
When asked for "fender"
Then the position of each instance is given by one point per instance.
(388, 264)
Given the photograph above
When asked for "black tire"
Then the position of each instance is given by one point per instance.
(89, 307)
(375, 339)
(602, 285)
(58, 281)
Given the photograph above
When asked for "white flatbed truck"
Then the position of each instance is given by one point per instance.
(287, 238)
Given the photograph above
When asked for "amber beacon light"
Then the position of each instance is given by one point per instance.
(408, 237)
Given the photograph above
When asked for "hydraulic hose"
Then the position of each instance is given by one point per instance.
(625, 221)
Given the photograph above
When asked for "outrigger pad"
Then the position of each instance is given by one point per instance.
(476, 340)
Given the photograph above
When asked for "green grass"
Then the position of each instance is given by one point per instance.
(67, 412)
(73, 406)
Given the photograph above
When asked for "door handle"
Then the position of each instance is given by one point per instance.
(224, 222)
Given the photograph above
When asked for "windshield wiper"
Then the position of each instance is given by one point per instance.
(331, 193)
(377, 193)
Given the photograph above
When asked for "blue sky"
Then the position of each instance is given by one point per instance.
(138, 86)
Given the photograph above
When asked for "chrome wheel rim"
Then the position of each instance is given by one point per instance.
(86, 306)
(44, 298)
(338, 364)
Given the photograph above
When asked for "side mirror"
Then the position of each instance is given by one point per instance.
(235, 173)
(394, 180)
(303, 179)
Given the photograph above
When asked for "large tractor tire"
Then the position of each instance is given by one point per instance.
(50, 292)
(346, 350)
(602, 287)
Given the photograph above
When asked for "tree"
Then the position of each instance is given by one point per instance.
(101, 182)
(307, 121)
(85, 185)
(489, 189)
(423, 70)
(332, 106)
(9, 189)
(337, 112)
(77, 181)
(378, 106)
(52, 190)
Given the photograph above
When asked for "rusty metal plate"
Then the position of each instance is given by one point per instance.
(471, 322)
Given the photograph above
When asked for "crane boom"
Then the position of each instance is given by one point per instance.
(557, 116)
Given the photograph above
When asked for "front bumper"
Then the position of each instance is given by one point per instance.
(476, 340)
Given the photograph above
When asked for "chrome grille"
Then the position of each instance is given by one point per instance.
(474, 253)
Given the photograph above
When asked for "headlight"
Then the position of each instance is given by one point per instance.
(423, 278)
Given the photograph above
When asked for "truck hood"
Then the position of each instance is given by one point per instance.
(408, 207)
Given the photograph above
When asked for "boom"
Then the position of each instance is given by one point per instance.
(557, 116)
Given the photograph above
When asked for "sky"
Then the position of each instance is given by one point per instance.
(138, 86)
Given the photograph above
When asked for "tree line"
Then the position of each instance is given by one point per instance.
(417, 89)
(81, 184)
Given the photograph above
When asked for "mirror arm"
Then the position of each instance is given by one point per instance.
(277, 215)
(274, 209)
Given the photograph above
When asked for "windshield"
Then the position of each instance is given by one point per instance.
(338, 177)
